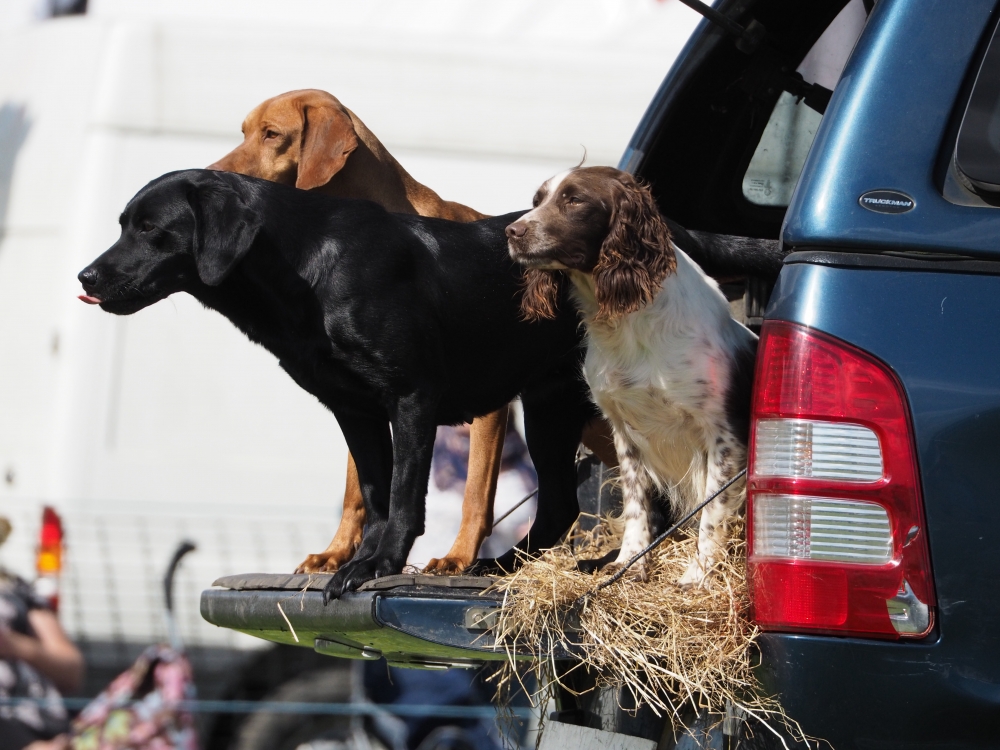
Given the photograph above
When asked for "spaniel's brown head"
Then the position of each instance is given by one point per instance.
(600, 221)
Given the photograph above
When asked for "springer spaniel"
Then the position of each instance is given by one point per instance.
(666, 362)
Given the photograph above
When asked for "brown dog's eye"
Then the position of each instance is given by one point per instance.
(269, 134)
(535, 201)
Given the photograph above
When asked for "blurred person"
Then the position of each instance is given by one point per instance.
(18, 14)
(451, 457)
(37, 661)
(449, 472)
(456, 687)
(66, 7)
(394, 686)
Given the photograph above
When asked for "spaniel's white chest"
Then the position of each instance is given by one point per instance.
(641, 402)
(674, 379)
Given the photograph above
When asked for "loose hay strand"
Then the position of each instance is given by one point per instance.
(667, 647)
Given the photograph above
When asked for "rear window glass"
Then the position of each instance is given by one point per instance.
(777, 161)
(978, 153)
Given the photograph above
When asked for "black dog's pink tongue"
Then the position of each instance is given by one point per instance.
(89, 300)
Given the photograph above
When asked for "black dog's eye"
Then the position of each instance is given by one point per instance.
(146, 227)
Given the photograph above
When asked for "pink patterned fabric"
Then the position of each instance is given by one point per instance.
(140, 710)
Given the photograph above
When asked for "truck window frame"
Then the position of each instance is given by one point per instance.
(701, 130)
(778, 158)
(973, 173)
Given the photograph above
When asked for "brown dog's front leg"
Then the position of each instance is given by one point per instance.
(348, 537)
(485, 450)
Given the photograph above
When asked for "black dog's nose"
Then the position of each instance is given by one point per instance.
(89, 276)
(517, 229)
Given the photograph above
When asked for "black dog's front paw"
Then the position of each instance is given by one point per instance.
(497, 566)
(589, 566)
(351, 576)
(484, 567)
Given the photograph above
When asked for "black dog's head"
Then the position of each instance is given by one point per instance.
(181, 230)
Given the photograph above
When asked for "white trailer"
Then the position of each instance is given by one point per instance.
(169, 424)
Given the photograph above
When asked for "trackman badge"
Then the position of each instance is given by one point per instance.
(887, 202)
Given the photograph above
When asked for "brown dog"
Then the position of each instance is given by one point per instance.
(310, 140)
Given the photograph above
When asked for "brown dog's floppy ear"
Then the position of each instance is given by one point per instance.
(637, 254)
(328, 138)
(541, 294)
(225, 228)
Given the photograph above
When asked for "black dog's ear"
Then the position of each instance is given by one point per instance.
(225, 228)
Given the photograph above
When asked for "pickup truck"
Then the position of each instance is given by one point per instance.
(865, 137)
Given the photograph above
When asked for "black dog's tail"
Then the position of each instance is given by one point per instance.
(726, 257)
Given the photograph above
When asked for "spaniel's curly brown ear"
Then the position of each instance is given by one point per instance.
(637, 254)
(541, 294)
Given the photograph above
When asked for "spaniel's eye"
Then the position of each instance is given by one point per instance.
(573, 200)
(535, 201)
(146, 227)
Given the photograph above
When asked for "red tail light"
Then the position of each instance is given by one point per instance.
(836, 535)
(48, 559)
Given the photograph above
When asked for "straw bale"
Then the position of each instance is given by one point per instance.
(669, 648)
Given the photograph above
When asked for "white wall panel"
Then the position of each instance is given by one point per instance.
(169, 423)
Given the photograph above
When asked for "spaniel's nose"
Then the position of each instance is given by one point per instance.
(517, 229)
(89, 277)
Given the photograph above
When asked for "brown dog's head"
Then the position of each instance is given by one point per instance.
(600, 221)
(300, 138)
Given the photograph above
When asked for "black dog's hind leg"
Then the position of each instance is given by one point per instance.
(554, 416)
(413, 431)
(370, 443)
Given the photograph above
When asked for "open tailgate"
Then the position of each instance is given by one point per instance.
(434, 622)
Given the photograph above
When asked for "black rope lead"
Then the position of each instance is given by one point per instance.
(515, 506)
(657, 542)
(525, 499)
(748, 38)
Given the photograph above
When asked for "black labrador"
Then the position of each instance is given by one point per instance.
(388, 319)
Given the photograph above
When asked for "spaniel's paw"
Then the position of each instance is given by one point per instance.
(694, 576)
